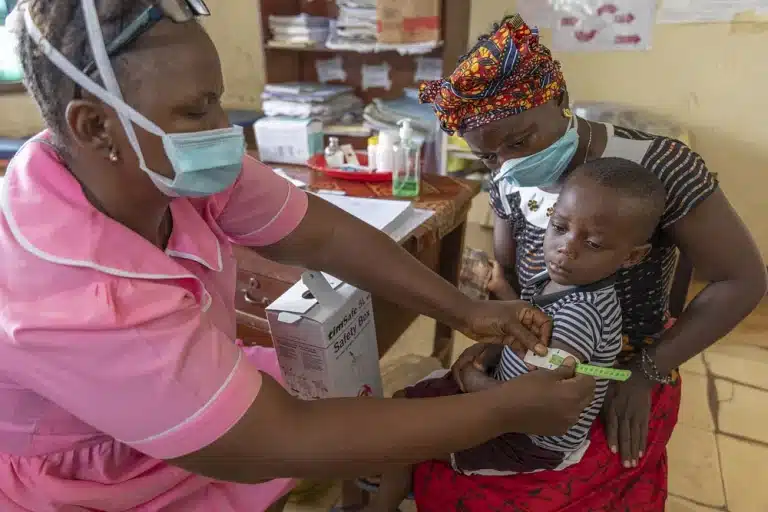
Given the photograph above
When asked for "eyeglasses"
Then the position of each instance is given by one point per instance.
(178, 11)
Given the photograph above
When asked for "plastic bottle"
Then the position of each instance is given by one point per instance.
(334, 157)
(406, 179)
(373, 146)
(385, 152)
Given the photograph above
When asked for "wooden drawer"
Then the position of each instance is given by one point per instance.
(253, 336)
(255, 292)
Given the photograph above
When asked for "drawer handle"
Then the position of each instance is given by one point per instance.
(254, 284)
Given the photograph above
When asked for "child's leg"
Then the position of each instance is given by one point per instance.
(394, 488)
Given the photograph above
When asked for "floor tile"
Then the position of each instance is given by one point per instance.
(417, 339)
(744, 468)
(743, 411)
(322, 500)
(695, 365)
(675, 504)
(694, 467)
(695, 410)
(741, 363)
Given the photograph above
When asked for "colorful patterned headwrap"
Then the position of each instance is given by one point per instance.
(504, 74)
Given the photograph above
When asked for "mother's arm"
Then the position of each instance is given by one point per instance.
(716, 241)
(721, 249)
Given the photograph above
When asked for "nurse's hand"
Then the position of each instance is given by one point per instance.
(549, 402)
(516, 323)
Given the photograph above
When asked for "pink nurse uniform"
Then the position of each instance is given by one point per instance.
(114, 354)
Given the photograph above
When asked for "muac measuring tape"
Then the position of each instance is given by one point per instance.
(557, 356)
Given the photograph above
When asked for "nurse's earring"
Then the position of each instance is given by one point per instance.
(113, 157)
(567, 113)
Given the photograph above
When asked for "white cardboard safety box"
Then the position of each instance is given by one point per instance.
(324, 334)
(287, 140)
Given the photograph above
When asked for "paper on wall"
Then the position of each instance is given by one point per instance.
(536, 13)
(594, 25)
(707, 11)
(376, 76)
(329, 70)
(428, 68)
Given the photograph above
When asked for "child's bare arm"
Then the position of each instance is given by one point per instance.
(577, 354)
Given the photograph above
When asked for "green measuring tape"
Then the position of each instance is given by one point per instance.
(598, 372)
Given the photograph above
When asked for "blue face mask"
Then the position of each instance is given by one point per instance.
(545, 167)
(204, 163)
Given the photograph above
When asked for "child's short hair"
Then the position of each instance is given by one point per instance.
(632, 181)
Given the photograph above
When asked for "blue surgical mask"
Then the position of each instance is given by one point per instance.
(545, 167)
(204, 163)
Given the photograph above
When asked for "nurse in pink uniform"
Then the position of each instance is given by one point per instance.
(121, 384)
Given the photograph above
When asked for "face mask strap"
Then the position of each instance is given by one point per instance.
(92, 87)
(101, 57)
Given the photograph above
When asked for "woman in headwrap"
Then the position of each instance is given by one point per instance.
(121, 384)
(509, 101)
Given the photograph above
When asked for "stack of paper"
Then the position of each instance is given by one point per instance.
(355, 30)
(298, 30)
(395, 218)
(324, 102)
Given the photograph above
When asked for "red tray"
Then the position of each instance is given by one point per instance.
(317, 163)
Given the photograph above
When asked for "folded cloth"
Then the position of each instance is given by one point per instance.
(475, 274)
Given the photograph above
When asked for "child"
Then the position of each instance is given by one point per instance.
(606, 214)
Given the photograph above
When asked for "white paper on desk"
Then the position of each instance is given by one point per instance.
(295, 182)
(428, 68)
(411, 223)
(593, 25)
(376, 76)
(330, 70)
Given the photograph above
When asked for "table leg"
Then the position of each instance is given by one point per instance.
(352, 495)
(451, 250)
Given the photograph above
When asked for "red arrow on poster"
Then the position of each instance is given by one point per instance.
(633, 39)
(569, 21)
(584, 37)
(607, 9)
(624, 18)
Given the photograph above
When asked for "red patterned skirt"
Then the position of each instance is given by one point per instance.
(598, 483)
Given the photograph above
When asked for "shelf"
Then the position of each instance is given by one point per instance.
(415, 50)
(340, 130)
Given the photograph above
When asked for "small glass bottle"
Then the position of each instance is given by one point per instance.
(406, 178)
(334, 156)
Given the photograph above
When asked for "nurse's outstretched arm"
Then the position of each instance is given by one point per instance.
(167, 382)
(280, 436)
(289, 226)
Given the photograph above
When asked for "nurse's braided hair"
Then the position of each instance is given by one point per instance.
(62, 23)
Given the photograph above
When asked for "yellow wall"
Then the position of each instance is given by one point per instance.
(237, 33)
(711, 78)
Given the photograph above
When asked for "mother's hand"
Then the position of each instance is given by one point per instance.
(516, 323)
(626, 412)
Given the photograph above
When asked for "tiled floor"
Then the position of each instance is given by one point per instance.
(718, 455)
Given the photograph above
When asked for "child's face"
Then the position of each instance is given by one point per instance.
(591, 235)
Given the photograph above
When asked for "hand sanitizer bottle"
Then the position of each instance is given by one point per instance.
(406, 178)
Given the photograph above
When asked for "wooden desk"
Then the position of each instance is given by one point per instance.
(438, 244)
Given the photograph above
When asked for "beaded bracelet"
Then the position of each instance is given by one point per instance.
(650, 370)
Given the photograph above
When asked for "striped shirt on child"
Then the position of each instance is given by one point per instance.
(587, 321)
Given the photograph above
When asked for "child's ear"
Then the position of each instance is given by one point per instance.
(637, 255)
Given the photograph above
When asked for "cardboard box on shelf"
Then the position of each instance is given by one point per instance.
(287, 140)
(408, 21)
(325, 338)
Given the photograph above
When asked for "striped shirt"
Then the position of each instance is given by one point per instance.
(587, 322)
(643, 290)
